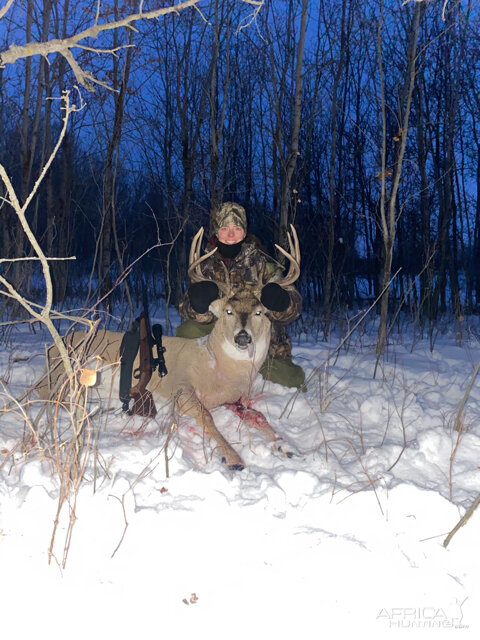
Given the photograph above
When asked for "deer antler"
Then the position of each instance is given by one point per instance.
(294, 257)
(195, 260)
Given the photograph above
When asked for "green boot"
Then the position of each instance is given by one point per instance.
(283, 371)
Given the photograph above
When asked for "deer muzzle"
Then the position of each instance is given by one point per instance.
(243, 339)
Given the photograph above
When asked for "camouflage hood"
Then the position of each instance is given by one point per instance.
(229, 212)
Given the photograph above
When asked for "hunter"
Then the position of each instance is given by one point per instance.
(245, 263)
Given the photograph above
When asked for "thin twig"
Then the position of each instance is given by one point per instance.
(462, 521)
(122, 502)
(4, 9)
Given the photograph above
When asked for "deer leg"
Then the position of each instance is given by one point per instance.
(188, 404)
(256, 419)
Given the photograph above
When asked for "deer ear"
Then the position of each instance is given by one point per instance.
(216, 307)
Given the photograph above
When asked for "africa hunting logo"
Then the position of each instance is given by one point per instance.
(423, 617)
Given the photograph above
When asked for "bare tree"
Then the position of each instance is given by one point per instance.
(296, 111)
(332, 172)
(220, 77)
(108, 231)
(388, 211)
(44, 313)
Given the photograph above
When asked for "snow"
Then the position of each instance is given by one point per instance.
(345, 537)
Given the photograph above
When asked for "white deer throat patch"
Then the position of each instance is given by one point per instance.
(253, 353)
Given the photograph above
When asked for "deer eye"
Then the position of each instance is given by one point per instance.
(258, 312)
(229, 312)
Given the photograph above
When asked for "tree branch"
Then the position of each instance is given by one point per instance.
(63, 47)
(4, 9)
(258, 4)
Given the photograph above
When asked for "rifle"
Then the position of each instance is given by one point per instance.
(128, 351)
(143, 404)
(159, 361)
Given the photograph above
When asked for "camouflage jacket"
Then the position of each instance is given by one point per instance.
(250, 267)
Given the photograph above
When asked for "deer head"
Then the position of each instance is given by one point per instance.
(242, 329)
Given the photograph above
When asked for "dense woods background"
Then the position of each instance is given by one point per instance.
(356, 120)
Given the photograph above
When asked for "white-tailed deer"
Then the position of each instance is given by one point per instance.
(207, 372)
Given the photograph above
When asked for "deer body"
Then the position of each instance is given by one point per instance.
(203, 373)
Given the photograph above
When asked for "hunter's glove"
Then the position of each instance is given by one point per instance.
(274, 297)
(201, 294)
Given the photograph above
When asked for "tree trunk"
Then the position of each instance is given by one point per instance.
(388, 205)
(332, 177)
(109, 247)
(217, 109)
(476, 241)
(296, 113)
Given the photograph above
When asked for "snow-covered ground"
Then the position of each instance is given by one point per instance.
(345, 537)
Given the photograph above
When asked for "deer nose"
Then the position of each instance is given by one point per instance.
(243, 338)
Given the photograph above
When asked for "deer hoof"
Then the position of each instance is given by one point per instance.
(289, 454)
(237, 466)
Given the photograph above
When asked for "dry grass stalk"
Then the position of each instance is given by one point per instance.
(70, 458)
(459, 428)
(461, 409)
(171, 431)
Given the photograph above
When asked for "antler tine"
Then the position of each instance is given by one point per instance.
(194, 261)
(196, 243)
(295, 246)
(293, 256)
